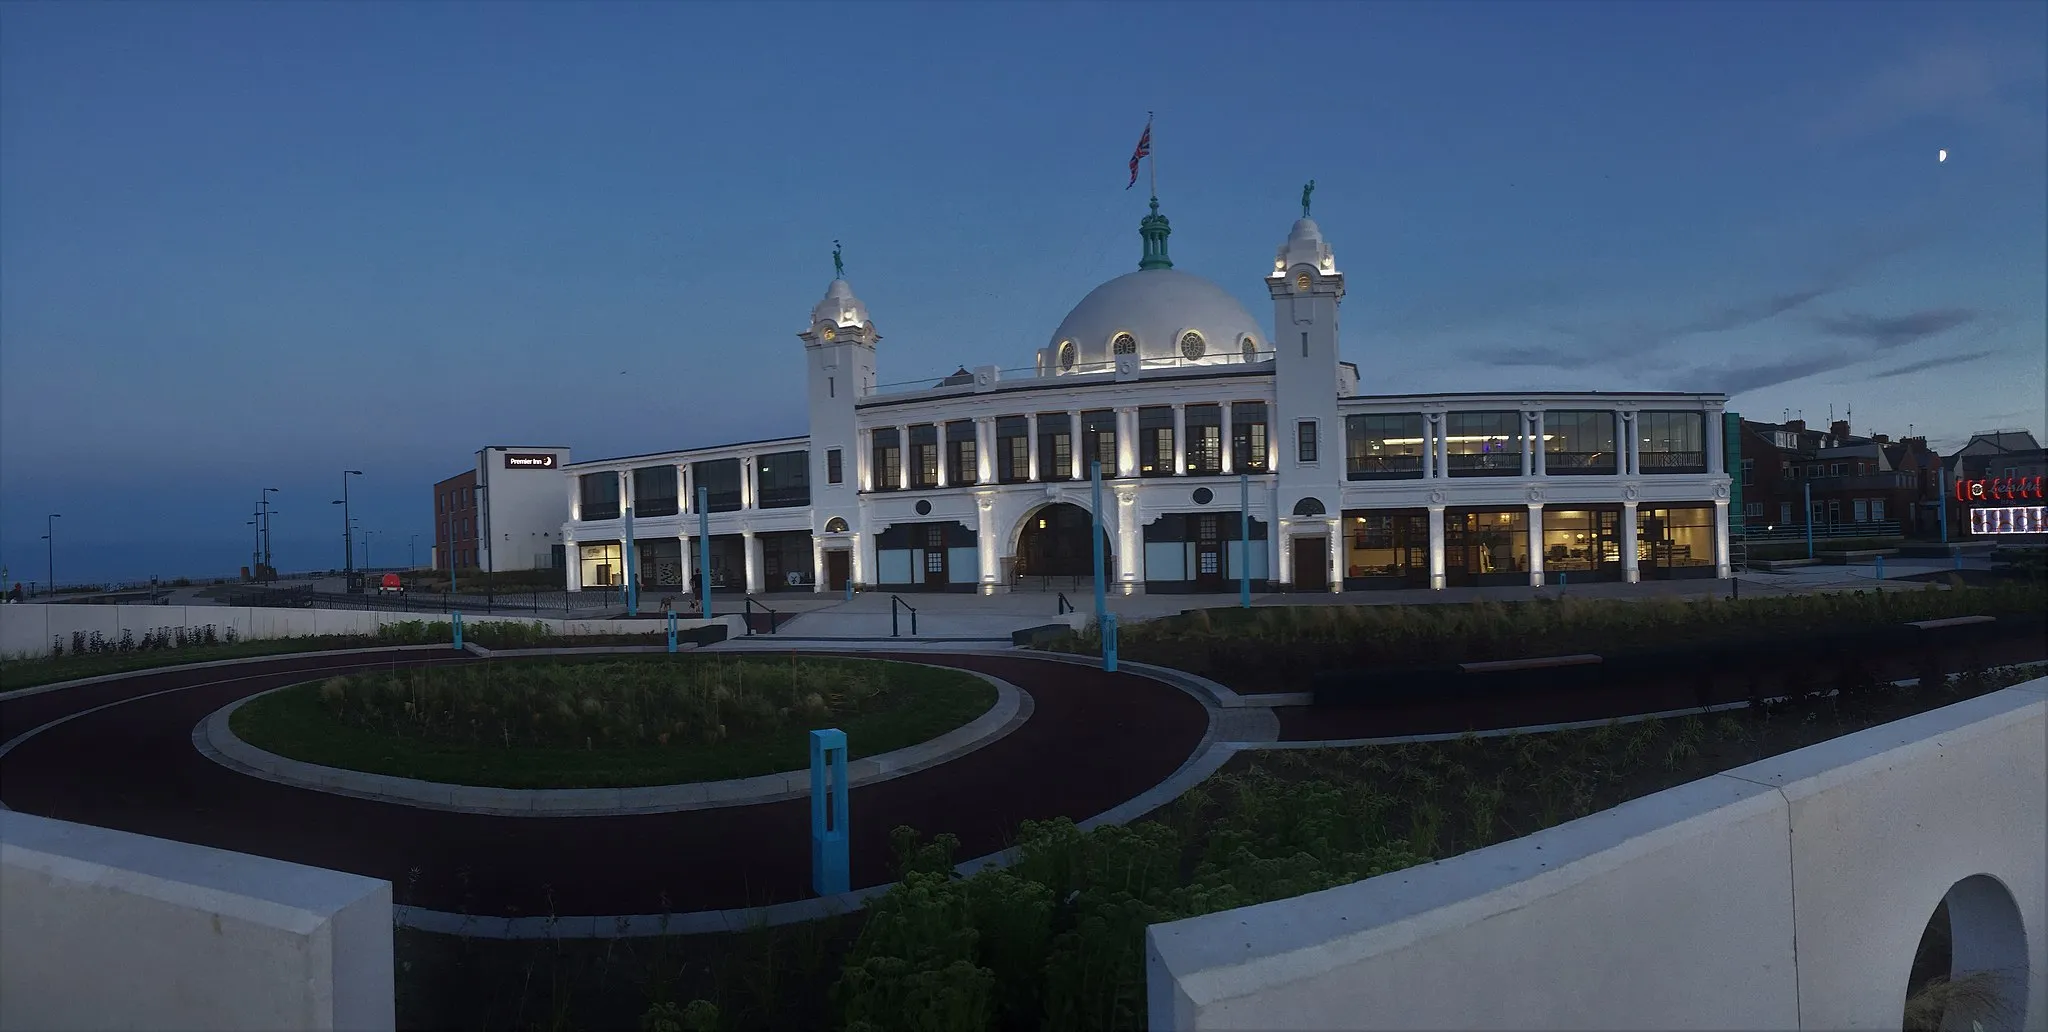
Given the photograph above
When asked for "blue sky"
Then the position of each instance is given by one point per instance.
(246, 246)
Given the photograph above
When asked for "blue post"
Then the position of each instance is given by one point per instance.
(849, 589)
(1808, 488)
(1095, 538)
(703, 553)
(1880, 567)
(671, 630)
(1109, 642)
(455, 622)
(1941, 479)
(830, 872)
(632, 582)
(1244, 545)
(1560, 580)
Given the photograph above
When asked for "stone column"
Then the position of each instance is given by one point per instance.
(1436, 547)
(751, 546)
(570, 555)
(1228, 460)
(985, 449)
(818, 584)
(1130, 543)
(1127, 442)
(1722, 569)
(689, 568)
(1629, 568)
(985, 543)
(903, 456)
(1716, 440)
(1180, 440)
(1031, 443)
(1528, 460)
(1076, 459)
(1443, 445)
(1635, 452)
(1333, 556)
(686, 501)
(864, 459)
(1535, 544)
(575, 511)
(939, 428)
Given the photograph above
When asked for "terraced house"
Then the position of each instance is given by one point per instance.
(1227, 449)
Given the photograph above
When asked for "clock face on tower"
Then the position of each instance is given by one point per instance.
(1302, 282)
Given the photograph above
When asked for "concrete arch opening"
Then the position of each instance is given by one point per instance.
(1970, 969)
(1054, 542)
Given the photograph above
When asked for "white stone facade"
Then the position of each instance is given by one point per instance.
(1347, 490)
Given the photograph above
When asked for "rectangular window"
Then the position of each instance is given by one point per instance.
(924, 456)
(1748, 472)
(835, 470)
(1877, 510)
(1155, 441)
(1753, 510)
(1013, 449)
(1835, 469)
(961, 454)
(1834, 511)
(1380, 544)
(1672, 442)
(1579, 442)
(600, 565)
(654, 491)
(782, 480)
(1862, 511)
(1099, 440)
(600, 493)
(1483, 444)
(1785, 514)
(1205, 439)
(1055, 447)
(1383, 447)
(720, 479)
(1248, 436)
(1675, 537)
(1305, 442)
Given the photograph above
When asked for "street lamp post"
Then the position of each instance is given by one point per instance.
(348, 555)
(413, 551)
(267, 514)
(50, 535)
(366, 550)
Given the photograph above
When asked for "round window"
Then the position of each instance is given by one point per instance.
(1066, 354)
(1251, 350)
(1124, 344)
(924, 508)
(1204, 496)
(1302, 282)
(1192, 346)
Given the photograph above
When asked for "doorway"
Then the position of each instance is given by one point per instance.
(1055, 543)
(1311, 563)
(838, 568)
(1208, 553)
(933, 558)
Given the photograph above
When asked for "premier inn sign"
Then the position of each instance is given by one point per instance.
(515, 460)
(2001, 489)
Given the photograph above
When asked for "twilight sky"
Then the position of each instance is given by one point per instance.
(246, 246)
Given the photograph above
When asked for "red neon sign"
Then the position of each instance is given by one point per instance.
(2000, 489)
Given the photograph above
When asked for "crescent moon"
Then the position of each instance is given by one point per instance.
(1943, 156)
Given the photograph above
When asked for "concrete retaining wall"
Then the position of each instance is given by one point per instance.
(103, 929)
(1790, 893)
(27, 629)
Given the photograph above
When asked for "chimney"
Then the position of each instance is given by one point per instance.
(1797, 426)
(1839, 430)
(1881, 438)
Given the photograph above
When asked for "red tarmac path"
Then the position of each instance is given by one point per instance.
(1094, 741)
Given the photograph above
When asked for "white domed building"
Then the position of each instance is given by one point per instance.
(1229, 451)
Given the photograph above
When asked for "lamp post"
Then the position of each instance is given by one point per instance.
(50, 535)
(366, 550)
(1244, 548)
(348, 554)
(483, 505)
(268, 512)
(413, 547)
(1808, 489)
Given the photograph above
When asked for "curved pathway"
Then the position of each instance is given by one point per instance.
(125, 760)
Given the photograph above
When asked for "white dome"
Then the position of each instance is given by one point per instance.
(840, 307)
(1157, 307)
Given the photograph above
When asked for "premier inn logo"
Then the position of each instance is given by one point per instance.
(1999, 489)
(517, 461)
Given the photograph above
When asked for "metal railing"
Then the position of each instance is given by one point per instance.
(1797, 531)
(1065, 606)
(895, 629)
(772, 615)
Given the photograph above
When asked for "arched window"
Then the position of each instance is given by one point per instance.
(1309, 507)
(1124, 344)
(835, 525)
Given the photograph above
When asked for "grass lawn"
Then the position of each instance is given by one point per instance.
(1057, 941)
(610, 723)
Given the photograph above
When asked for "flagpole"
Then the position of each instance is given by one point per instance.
(1152, 156)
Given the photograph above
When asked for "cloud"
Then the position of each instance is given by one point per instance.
(1936, 362)
(1736, 378)
(1736, 317)
(1990, 85)
(1887, 333)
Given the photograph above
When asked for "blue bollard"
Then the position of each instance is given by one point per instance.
(1959, 562)
(671, 630)
(1109, 642)
(849, 589)
(1560, 580)
(830, 872)
(1880, 567)
(455, 621)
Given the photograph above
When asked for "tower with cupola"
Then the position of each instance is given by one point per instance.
(839, 355)
(1306, 289)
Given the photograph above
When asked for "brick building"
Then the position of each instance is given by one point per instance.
(455, 522)
(1860, 486)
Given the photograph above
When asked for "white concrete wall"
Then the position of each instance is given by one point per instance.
(1790, 893)
(26, 629)
(527, 507)
(103, 929)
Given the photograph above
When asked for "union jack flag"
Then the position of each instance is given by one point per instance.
(1144, 150)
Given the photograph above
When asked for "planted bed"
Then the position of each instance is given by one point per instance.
(616, 722)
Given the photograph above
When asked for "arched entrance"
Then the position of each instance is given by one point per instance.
(1055, 543)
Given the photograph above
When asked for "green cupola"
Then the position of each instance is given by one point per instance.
(1154, 229)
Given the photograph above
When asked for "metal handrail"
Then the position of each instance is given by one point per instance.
(753, 605)
(1065, 606)
(895, 630)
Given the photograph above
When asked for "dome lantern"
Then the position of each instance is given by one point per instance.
(1155, 229)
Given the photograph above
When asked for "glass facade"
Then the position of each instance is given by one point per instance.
(1205, 439)
(661, 562)
(1099, 440)
(1387, 545)
(599, 493)
(1055, 446)
(1013, 449)
(601, 567)
(1674, 538)
(924, 456)
(1248, 449)
(1155, 441)
(654, 491)
(720, 479)
(1383, 447)
(1579, 443)
(960, 453)
(1483, 444)
(1672, 442)
(1584, 541)
(888, 460)
(1486, 546)
(782, 480)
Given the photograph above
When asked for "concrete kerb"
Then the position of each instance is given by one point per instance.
(21, 693)
(216, 740)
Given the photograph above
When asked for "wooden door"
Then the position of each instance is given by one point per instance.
(1208, 553)
(934, 559)
(838, 568)
(1311, 564)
